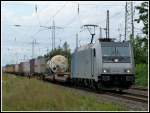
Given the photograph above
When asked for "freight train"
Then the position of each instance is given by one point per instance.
(103, 64)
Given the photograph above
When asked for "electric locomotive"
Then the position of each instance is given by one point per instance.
(104, 64)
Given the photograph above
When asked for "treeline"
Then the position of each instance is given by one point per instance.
(140, 43)
(64, 50)
(140, 46)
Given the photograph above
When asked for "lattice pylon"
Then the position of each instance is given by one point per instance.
(129, 21)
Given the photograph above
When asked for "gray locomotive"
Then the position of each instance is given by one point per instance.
(104, 64)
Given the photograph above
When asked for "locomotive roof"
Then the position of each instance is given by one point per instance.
(105, 43)
(114, 43)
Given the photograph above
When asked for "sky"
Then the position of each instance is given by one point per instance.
(16, 42)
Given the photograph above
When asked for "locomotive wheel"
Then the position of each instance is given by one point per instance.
(95, 86)
(119, 90)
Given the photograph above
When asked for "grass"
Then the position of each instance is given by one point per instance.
(141, 76)
(23, 94)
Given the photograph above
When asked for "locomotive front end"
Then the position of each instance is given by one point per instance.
(117, 64)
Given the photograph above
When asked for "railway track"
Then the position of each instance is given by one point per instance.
(138, 101)
(130, 96)
(140, 89)
(124, 95)
(137, 95)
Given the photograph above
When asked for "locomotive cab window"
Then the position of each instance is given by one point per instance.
(110, 53)
(122, 51)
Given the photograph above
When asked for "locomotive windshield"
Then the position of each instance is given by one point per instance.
(122, 51)
(110, 53)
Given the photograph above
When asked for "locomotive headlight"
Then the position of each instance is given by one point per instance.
(105, 71)
(128, 71)
(115, 60)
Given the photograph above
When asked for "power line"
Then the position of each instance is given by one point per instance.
(26, 31)
(23, 42)
(18, 25)
(116, 14)
(52, 28)
(23, 49)
(70, 22)
(58, 11)
(37, 32)
(73, 19)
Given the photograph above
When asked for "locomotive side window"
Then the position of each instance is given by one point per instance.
(94, 52)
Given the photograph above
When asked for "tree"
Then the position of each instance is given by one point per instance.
(66, 46)
(67, 53)
(140, 44)
(40, 57)
(140, 54)
(143, 16)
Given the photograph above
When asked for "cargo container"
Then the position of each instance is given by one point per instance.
(26, 68)
(32, 66)
(16, 68)
(40, 65)
(21, 68)
(10, 68)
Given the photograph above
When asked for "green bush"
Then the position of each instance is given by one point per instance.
(141, 76)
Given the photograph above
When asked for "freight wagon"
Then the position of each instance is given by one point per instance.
(21, 68)
(9, 68)
(32, 67)
(39, 66)
(26, 68)
(16, 70)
